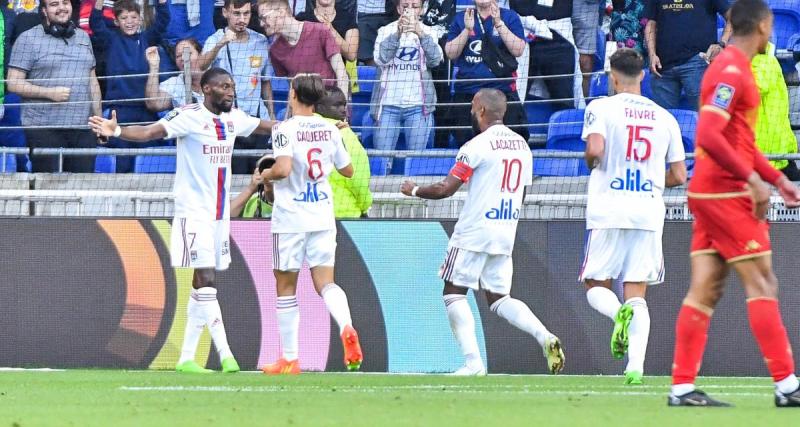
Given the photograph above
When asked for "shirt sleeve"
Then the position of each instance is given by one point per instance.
(466, 162)
(23, 54)
(177, 123)
(651, 10)
(281, 143)
(456, 26)
(245, 124)
(514, 24)
(341, 158)
(675, 151)
(329, 43)
(727, 91)
(593, 122)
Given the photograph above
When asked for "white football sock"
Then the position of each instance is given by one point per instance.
(603, 300)
(289, 326)
(463, 325)
(520, 315)
(207, 298)
(638, 334)
(787, 385)
(681, 389)
(336, 301)
(195, 321)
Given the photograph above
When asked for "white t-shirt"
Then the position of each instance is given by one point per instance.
(304, 199)
(401, 77)
(496, 166)
(176, 88)
(203, 165)
(626, 188)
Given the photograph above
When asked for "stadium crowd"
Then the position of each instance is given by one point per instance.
(409, 68)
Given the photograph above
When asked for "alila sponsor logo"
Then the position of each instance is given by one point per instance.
(506, 210)
(311, 194)
(632, 182)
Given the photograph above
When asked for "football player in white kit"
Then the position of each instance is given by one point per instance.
(200, 228)
(629, 139)
(307, 149)
(496, 165)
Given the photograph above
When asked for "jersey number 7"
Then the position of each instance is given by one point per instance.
(635, 136)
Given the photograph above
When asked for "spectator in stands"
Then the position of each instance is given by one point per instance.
(190, 19)
(52, 69)
(628, 23)
(123, 44)
(552, 51)
(171, 93)
(255, 200)
(243, 53)
(681, 39)
(438, 16)
(773, 131)
(372, 15)
(465, 47)
(26, 16)
(341, 22)
(585, 20)
(405, 50)
(351, 196)
(301, 47)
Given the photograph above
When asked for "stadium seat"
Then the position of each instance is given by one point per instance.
(367, 131)
(598, 86)
(105, 163)
(564, 132)
(787, 22)
(377, 166)
(538, 116)
(366, 78)
(418, 166)
(154, 164)
(548, 166)
(10, 163)
(280, 92)
(687, 120)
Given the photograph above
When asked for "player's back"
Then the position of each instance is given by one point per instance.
(728, 89)
(500, 162)
(626, 187)
(304, 199)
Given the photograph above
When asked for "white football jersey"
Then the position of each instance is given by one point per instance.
(304, 199)
(203, 164)
(626, 188)
(496, 166)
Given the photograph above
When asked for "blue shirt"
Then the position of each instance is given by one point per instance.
(684, 28)
(470, 63)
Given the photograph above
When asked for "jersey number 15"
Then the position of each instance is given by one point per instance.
(639, 146)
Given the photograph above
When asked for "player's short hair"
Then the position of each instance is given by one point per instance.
(192, 42)
(235, 3)
(308, 88)
(494, 101)
(745, 15)
(126, 6)
(627, 62)
(212, 73)
(273, 3)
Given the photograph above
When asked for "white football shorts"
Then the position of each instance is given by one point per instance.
(289, 250)
(200, 243)
(478, 270)
(623, 254)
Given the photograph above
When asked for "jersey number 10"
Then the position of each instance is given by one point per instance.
(641, 151)
(513, 166)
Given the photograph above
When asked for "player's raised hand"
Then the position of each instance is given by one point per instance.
(789, 192)
(759, 193)
(469, 19)
(59, 94)
(407, 187)
(152, 56)
(103, 128)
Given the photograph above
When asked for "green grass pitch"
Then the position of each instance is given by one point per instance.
(154, 398)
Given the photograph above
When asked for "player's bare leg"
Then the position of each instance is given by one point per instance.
(462, 323)
(520, 315)
(336, 301)
(691, 329)
(761, 288)
(288, 314)
(203, 310)
(638, 330)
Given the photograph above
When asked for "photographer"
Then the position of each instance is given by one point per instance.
(255, 200)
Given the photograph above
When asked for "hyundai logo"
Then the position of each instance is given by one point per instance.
(408, 53)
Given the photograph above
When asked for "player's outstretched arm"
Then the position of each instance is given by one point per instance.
(676, 175)
(265, 127)
(441, 190)
(595, 147)
(105, 128)
(280, 170)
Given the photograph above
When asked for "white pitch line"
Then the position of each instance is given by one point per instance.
(7, 369)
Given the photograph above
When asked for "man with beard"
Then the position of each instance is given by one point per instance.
(201, 227)
(497, 164)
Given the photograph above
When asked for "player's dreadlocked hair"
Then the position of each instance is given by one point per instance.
(747, 14)
(308, 88)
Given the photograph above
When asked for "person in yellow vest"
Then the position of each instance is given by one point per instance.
(351, 196)
(773, 130)
(255, 200)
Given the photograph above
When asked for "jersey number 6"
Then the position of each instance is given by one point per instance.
(314, 162)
